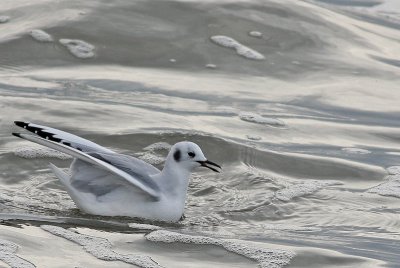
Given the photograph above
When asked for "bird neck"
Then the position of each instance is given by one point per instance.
(175, 179)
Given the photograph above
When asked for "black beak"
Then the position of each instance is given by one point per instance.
(207, 164)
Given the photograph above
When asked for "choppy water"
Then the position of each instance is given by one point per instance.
(298, 100)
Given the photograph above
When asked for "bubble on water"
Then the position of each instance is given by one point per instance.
(211, 66)
(79, 48)
(142, 226)
(4, 19)
(41, 36)
(241, 50)
(303, 188)
(39, 152)
(255, 34)
(100, 247)
(272, 258)
(8, 256)
(256, 118)
(353, 150)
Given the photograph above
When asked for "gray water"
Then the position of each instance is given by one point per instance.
(307, 136)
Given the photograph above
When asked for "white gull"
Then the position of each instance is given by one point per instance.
(103, 182)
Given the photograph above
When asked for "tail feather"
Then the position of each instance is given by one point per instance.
(61, 175)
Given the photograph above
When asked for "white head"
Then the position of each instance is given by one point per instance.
(188, 156)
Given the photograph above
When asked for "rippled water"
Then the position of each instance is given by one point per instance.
(298, 100)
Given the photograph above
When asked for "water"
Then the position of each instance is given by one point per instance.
(306, 136)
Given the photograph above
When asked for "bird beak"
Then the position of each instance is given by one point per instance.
(207, 164)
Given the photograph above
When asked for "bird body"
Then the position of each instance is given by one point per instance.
(106, 183)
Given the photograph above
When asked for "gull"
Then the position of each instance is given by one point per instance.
(103, 182)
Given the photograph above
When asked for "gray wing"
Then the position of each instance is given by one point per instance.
(137, 168)
(138, 178)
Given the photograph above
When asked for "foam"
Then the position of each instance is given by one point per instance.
(4, 19)
(391, 187)
(255, 34)
(7, 255)
(388, 188)
(393, 170)
(211, 66)
(253, 137)
(152, 158)
(158, 146)
(41, 36)
(353, 150)
(172, 60)
(141, 226)
(285, 227)
(39, 152)
(256, 118)
(271, 258)
(302, 189)
(79, 48)
(100, 247)
(241, 50)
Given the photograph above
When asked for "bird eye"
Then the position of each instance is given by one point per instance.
(191, 154)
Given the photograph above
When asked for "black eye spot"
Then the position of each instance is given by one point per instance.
(177, 155)
(191, 154)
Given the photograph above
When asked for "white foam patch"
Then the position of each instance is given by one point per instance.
(388, 188)
(256, 118)
(158, 146)
(141, 226)
(39, 152)
(152, 158)
(41, 36)
(241, 50)
(7, 255)
(391, 187)
(303, 189)
(79, 48)
(253, 137)
(353, 150)
(393, 170)
(285, 227)
(271, 258)
(255, 34)
(100, 247)
(4, 19)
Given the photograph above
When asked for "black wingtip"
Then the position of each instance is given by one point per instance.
(17, 134)
(21, 123)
